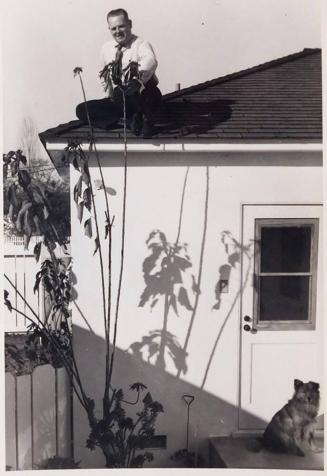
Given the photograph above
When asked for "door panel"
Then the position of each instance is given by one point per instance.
(274, 354)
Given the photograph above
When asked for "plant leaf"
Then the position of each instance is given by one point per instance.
(111, 191)
(12, 197)
(86, 174)
(14, 168)
(96, 245)
(20, 157)
(80, 210)
(78, 189)
(37, 250)
(147, 400)
(11, 212)
(45, 212)
(27, 239)
(24, 178)
(88, 227)
(75, 163)
(138, 386)
(77, 70)
(87, 198)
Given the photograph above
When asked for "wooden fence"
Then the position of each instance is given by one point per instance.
(38, 405)
(38, 417)
(21, 267)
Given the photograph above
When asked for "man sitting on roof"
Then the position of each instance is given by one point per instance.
(129, 65)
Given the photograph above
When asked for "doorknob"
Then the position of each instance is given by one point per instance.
(247, 328)
(247, 318)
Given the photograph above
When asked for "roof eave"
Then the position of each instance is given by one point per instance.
(194, 146)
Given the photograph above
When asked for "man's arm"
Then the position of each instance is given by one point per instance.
(147, 61)
(104, 74)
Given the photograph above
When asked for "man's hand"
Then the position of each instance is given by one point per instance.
(133, 86)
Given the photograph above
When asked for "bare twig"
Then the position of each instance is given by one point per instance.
(122, 249)
(107, 310)
(49, 336)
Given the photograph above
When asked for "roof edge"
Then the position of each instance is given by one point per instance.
(180, 147)
(244, 72)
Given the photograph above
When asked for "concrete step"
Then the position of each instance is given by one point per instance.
(245, 452)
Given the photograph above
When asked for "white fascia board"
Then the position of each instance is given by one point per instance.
(194, 147)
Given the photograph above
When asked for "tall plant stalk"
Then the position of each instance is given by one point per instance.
(122, 249)
(117, 435)
(106, 306)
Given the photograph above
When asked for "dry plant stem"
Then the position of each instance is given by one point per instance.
(87, 111)
(107, 314)
(100, 254)
(182, 206)
(107, 325)
(40, 324)
(122, 249)
(77, 376)
(107, 379)
(94, 208)
(46, 333)
(22, 297)
(72, 370)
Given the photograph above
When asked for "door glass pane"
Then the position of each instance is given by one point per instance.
(285, 249)
(284, 298)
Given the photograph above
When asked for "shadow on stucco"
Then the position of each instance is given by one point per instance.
(210, 415)
(165, 274)
(168, 276)
(234, 251)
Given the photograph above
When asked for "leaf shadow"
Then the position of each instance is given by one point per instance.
(167, 275)
(233, 250)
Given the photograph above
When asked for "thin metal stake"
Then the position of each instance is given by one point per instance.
(188, 399)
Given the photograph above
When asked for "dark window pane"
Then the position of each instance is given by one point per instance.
(285, 249)
(284, 298)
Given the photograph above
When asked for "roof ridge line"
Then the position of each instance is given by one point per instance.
(244, 72)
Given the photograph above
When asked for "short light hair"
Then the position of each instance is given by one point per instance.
(118, 12)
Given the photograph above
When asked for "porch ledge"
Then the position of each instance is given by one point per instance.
(240, 452)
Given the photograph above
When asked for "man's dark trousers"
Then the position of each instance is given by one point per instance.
(104, 113)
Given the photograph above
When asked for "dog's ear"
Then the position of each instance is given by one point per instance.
(297, 384)
(315, 386)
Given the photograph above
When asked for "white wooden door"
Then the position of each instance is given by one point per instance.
(281, 328)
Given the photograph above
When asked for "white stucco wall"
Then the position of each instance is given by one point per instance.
(154, 193)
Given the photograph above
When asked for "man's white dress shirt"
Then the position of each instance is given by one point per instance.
(139, 51)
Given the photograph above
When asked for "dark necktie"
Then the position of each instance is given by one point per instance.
(117, 69)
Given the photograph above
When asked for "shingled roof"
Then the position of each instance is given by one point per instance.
(278, 101)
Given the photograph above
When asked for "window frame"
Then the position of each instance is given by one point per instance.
(310, 323)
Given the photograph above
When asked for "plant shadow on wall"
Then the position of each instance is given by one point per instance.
(168, 276)
(234, 251)
(166, 272)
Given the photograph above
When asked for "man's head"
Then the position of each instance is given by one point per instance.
(120, 26)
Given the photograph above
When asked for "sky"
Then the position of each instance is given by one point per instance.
(194, 40)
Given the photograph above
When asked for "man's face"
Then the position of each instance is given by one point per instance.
(120, 28)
